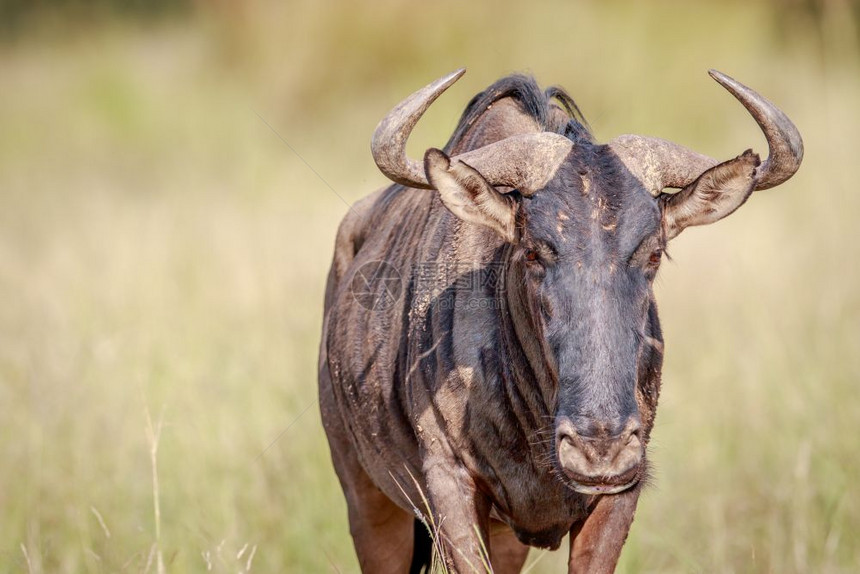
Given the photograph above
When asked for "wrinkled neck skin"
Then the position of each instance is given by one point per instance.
(528, 373)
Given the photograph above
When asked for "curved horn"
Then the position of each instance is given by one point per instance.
(783, 140)
(388, 145)
(525, 162)
(659, 163)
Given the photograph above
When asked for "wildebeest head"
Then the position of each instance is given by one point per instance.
(585, 227)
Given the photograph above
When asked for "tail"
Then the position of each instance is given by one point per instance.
(422, 549)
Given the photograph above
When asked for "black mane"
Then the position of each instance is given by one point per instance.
(533, 101)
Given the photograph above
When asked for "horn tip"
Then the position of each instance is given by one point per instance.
(453, 76)
(721, 78)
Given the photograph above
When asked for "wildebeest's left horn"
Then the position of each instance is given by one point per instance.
(783, 139)
(659, 163)
(525, 162)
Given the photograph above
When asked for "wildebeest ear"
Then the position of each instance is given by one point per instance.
(467, 194)
(715, 194)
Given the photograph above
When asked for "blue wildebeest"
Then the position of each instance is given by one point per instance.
(513, 422)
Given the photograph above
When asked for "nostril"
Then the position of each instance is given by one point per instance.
(564, 429)
(634, 428)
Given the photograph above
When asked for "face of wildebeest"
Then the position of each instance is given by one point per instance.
(591, 242)
(588, 244)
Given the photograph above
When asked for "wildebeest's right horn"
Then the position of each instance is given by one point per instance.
(388, 145)
(659, 163)
(525, 162)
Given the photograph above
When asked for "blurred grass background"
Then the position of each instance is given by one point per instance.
(161, 248)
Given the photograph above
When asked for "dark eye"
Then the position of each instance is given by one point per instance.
(655, 256)
(531, 255)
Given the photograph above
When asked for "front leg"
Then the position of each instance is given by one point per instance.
(460, 518)
(596, 542)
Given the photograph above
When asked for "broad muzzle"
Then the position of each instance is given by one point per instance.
(600, 457)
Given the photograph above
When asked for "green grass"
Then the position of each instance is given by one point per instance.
(162, 250)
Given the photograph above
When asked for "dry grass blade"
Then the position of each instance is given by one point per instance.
(153, 436)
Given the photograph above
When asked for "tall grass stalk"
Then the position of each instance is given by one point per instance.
(153, 436)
